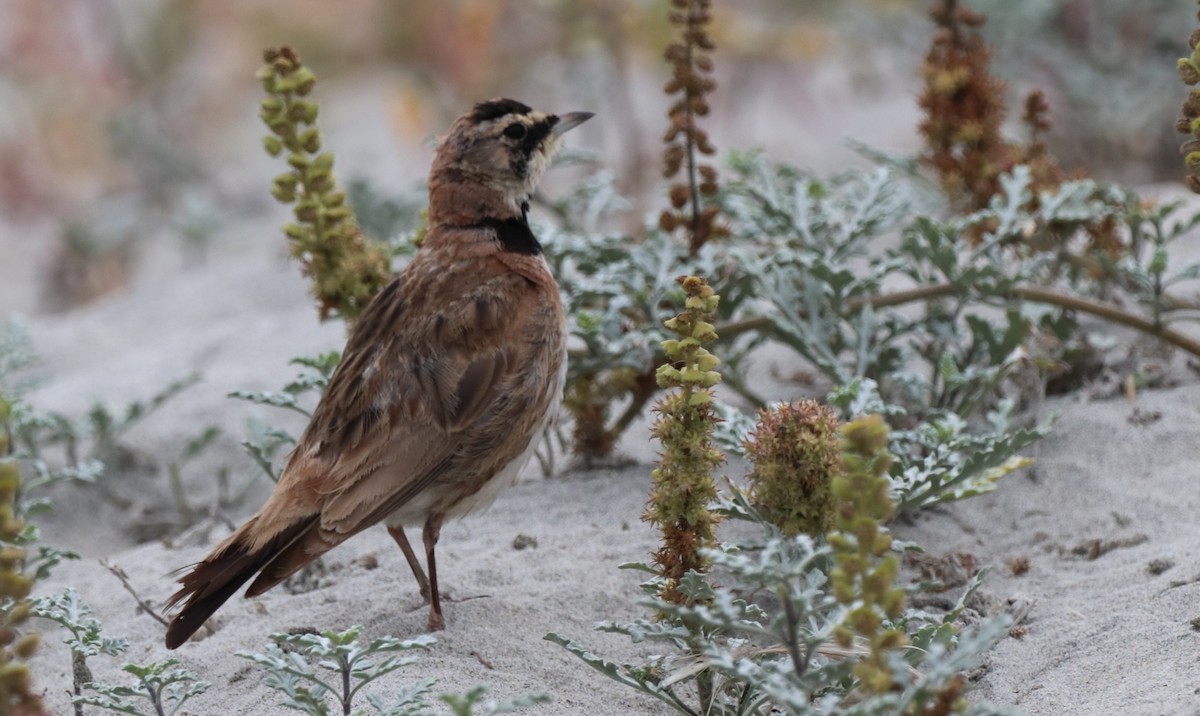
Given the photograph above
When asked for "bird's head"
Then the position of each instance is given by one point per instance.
(502, 147)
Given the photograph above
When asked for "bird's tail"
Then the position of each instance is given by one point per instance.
(231, 564)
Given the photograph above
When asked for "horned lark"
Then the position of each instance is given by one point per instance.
(447, 381)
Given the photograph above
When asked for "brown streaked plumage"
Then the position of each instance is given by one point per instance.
(447, 380)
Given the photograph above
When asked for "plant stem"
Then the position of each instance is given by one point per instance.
(689, 97)
(641, 394)
(156, 699)
(743, 700)
(704, 689)
(179, 493)
(1027, 293)
(124, 577)
(793, 624)
(1109, 313)
(80, 674)
(951, 9)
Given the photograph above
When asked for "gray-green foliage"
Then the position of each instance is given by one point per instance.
(822, 252)
(943, 459)
(264, 442)
(57, 448)
(863, 280)
(313, 380)
(618, 289)
(192, 449)
(159, 689)
(17, 358)
(44, 558)
(344, 666)
(767, 637)
(475, 702)
(905, 319)
(1146, 272)
(84, 635)
(84, 630)
(385, 218)
(806, 264)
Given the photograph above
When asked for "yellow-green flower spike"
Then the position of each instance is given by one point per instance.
(683, 487)
(17, 692)
(1189, 73)
(346, 267)
(864, 578)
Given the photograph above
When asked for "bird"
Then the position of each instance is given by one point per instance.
(448, 378)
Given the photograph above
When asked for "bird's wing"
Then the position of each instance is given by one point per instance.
(409, 451)
(398, 412)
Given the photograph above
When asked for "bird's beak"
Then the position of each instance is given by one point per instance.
(570, 121)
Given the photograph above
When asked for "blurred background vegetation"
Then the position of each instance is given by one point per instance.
(121, 119)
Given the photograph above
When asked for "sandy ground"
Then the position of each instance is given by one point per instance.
(1109, 633)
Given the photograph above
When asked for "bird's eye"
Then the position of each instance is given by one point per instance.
(516, 130)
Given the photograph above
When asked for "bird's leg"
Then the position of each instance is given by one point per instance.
(397, 534)
(433, 528)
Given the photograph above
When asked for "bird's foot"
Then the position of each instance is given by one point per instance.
(436, 622)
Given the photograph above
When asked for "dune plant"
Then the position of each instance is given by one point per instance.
(865, 571)
(93, 450)
(964, 107)
(692, 210)
(1189, 124)
(84, 636)
(798, 626)
(346, 268)
(18, 695)
(1103, 63)
(159, 688)
(964, 110)
(18, 359)
(264, 442)
(771, 642)
(618, 290)
(806, 268)
(344, 666)
(683, 486)
(192, 448)
(680, 502)
(58, 448)
(476, 698)
(693, 214)
(795, 453)
(681, 498)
